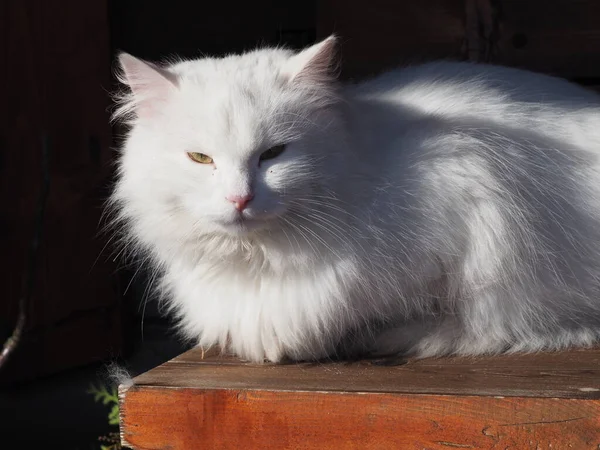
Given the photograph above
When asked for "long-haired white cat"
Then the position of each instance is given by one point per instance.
(448, 208)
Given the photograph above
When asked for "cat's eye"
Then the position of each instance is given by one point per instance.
(200, 158)
(273, 152)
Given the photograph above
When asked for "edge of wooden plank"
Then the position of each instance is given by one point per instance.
(122, 393)
(574, 374)
(332, 420)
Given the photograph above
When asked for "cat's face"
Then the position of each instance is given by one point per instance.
(226, 146)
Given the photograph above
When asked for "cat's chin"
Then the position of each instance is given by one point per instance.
(242, 226)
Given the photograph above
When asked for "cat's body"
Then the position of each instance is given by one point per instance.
(445, 208)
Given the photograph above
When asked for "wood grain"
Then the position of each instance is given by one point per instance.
(548, 400)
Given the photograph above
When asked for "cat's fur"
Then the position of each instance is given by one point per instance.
(448, 208)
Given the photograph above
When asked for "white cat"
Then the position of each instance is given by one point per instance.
(449, 208)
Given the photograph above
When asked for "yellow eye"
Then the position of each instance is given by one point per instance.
(200, 158)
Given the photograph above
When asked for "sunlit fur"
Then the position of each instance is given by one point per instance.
(447, 208)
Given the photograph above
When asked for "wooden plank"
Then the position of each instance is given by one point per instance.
(187, 419)
(520, 402)
(570, 375)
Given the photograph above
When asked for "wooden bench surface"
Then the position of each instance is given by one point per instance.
(517, 402)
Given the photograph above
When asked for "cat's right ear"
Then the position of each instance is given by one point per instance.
(150, 86)
(318, 64)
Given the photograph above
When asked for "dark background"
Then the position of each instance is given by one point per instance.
(84, 307)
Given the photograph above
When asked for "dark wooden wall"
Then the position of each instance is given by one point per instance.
(54, 79)
(154, 29)
(561, 37)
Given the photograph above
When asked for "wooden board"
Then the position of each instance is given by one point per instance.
(510, 402)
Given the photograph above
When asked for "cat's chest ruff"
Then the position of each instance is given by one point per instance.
(265, 312)
(258, 281)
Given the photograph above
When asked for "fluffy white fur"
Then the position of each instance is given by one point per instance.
(448, 208)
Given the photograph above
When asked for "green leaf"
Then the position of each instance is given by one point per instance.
(102, 394)
(113, 416)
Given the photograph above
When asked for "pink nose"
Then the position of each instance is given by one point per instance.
(240, 201)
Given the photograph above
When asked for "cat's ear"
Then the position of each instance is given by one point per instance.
(316, 64)
(150, 85)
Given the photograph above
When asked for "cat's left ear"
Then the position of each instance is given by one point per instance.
(316, 64)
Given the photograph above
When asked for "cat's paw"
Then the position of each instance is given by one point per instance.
(275, 353)
(418, 338)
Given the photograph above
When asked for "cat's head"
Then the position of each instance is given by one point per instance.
(227, 146)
